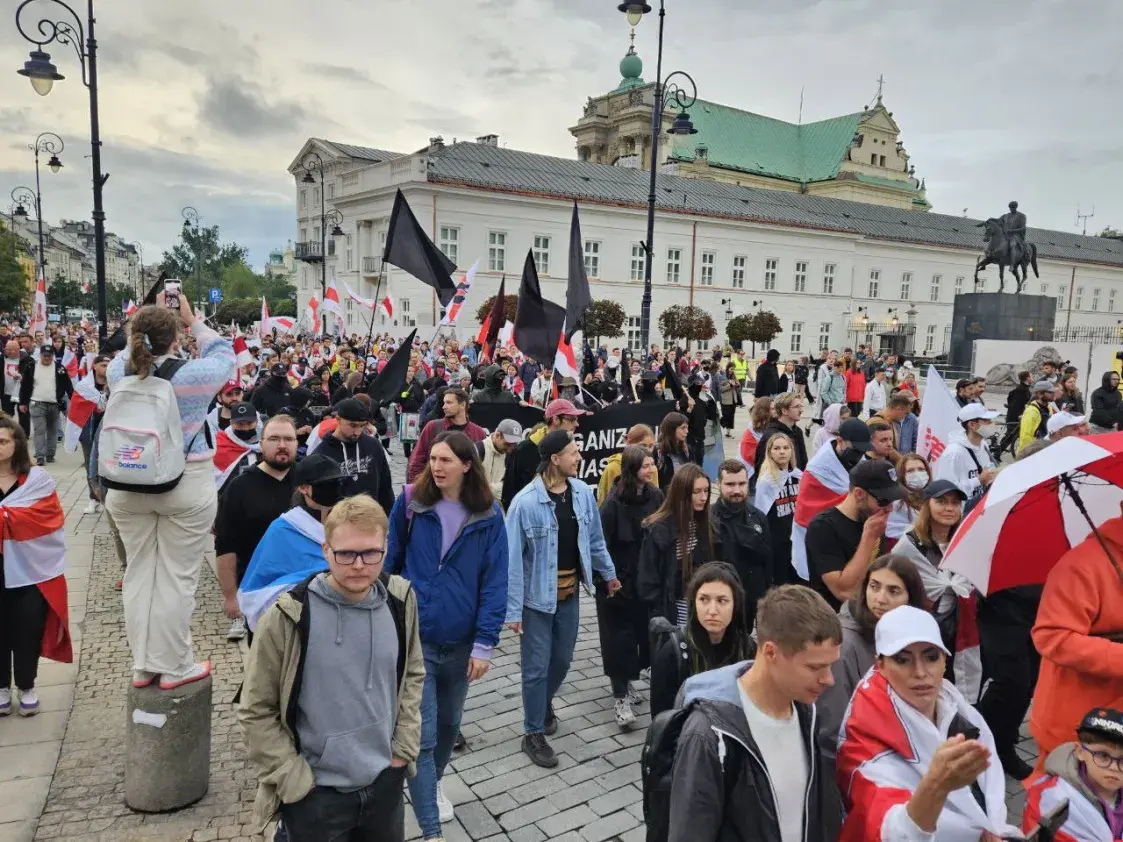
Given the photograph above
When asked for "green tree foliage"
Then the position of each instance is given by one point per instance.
(739, 328)
(604, 318)
(689, 323)
(66, 294)
(13, 282)
(243, 311)
(764, 327)
(510, 304)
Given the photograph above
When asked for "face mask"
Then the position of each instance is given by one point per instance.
(245, 435)
(326, 493)
(986, 430)
(916, 480)
(851, 457)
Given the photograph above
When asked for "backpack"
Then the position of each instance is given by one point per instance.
(140, 444)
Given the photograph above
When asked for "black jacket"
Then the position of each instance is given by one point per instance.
(1018, 397)
(412, 397)
(622, 522)
(799, 442)
(270, 397)
(1107, 404)
(522, 465)
(722, 791)
(63, 386)
(659, 569)
(742, 539)
(366, 461)
(767, 380)
(494, 394)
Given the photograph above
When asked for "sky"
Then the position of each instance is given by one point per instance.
(207, 103)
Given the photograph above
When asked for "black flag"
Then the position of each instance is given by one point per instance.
(577, 295)
(538, 323)
(391, 381)
(408, 248)
(495, 320)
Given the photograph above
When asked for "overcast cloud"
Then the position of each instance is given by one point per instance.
(206, 103)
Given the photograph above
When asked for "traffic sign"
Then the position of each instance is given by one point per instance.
(216, 295)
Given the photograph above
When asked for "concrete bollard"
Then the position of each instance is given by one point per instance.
(167, 746)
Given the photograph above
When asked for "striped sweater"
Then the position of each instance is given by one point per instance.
(195, 385)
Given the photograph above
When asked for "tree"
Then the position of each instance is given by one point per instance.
(739, 328)
(510, 304)
(689, 323)
(199, 259)
(115, 297)
(763, 328)
(13, 282)
(244, 311)
(1111, 233)
(604, 318)
(240, 281)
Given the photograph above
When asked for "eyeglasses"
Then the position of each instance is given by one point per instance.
(281, 440)
(1104, 760)
(368, 557)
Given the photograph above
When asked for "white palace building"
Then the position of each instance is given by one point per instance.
(811, 224)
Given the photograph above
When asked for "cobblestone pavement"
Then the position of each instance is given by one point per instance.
(592, 795)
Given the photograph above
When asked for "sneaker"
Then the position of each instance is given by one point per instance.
(459, 744)
(5, 701)
(538, 750)
(444, 807)
(91, 508)
(625, 716)
(50, 459)
(551, 721)
(28, 702)
(237, 630)
(142, 678)
(635, 699)
(196, 673)
(40, 461)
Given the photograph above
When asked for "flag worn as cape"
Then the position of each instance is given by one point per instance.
(409, 248)
(1085, 822)
(538, 322)
(768, 491)
(824, 484)
(34, 533)
(83, 404)
(231, 453)
(391, 380)
(288, 553)
(577, 294)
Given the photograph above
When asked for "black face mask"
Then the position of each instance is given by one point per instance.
(244, 435)
(851, 457)
(327, 493)
(278, 380)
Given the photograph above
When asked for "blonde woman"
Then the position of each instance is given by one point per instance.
(777, 486)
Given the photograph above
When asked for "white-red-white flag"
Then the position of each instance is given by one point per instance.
(368, 303)
(565, 363)
(242, 350)
(314, 314)
(39, 307)
(939, 416)
(331, 300)
(387, 305)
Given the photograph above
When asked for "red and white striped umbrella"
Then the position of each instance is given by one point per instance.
(1036, 510)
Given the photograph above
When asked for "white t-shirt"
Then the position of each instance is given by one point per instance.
(781, 745)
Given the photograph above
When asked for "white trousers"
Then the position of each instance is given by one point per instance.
(165, 537)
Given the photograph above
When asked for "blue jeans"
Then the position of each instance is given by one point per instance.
(442, 703)
(547, 651)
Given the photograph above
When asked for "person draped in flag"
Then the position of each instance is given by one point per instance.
(219, 417)
(777, 488)
(238, 447)
(33, 602)
(44, 387)
(12, 377)
(915, 759)
(83, 416)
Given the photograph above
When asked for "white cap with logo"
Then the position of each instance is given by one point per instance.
(904, 626)
(1059, 420)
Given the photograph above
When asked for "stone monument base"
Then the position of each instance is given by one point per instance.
(997, 315)
(167, 746)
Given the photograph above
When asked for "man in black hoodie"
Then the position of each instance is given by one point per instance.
(747, 766)
(359, 455)
(741, 536)
(493, 391)
(789, 409)
(272, 394)
(1107, 405)
(768, 376)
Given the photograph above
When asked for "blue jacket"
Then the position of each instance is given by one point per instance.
(532, 547)
(910, 427)
(460, 598)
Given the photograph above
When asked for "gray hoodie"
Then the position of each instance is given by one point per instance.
(855, 659)
(348, 695)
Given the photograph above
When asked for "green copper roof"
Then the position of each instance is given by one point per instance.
(892, 184)
(741, 140)
(631, 71)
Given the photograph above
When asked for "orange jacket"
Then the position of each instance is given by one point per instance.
(1081, 668)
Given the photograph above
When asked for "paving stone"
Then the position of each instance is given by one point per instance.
(476, 820)
(608, 827)
(617, 800)
(527, 814)
(530, 833)
(572, 819)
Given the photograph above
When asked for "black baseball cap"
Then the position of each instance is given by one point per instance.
(47, 349)
(352, 410)
(877, 478)
(552, 443)
(856, 432)
(1105, 721)
(317, 468)
(278, 370)
(243, 411)
(941, 487)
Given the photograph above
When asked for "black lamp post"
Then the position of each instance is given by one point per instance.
(50, 143)
(191, 223)
(684, 98)
(23, 197)
(313, 163)
(43, 75)
(139, 282)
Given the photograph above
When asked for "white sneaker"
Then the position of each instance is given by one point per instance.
(444, 806)
(28, 702)
(5, 701)
(625, 716)
(634, 698)
(237, 629)
(91, 508)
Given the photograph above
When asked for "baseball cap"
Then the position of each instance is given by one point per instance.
(1044, 386)
(567, 381)
(551, 444)
(231, 386)
(352, 410)
(855, 432)
(317, 468)
(975, 412)
(1060, 420)
(904, 626)
(562, 407)
(243, 411)
(511, 430)
(47, 349)
(1105, 721)
(877, 477)
(278, 370)
(940, 487)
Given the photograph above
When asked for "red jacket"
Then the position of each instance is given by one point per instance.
(420, 456)
(855, 387)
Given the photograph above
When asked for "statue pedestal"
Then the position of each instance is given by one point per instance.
(997, 315)
(167, 746)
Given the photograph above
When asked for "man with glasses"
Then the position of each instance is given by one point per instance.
(331, 705)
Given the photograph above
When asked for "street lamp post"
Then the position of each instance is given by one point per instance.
(43, 74)
(313, 163)
(139, 282)
(684, 98)
(51, 143)
(191, 223)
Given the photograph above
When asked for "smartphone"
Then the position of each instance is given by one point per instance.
(171, 293)
(969, 732)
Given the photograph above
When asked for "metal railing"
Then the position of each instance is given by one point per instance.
(1100, 334)
(311, 251)
(372, 265)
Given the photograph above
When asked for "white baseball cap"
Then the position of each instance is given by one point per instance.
(904, 626)
(975, 412)
(1060, 420)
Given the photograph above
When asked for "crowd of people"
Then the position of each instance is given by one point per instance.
(812, 672)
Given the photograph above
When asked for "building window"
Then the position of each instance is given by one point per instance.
(349, 303)
(1111, 301)
(405, 305)
(906, 286)
(542, 254)
(1095, 300)
(800, 276)
(828, 279)
(875, 283)
(1044, 289)
(315, 197)
(331, 191)
(934, 292)
(770, 265)
(881, 160)
(304, 198)
(797, 337)
(497, 251)
(873, 160)
(316, 233)
(1061, 296)
(930, 340)
(709, 258)
(592, 258)
(348, 319)
(982, 285)
(674, 265)
(639, 259)
(450, 242)
(634, 333)
(738, 281)
(824, 335)
(958, 285)
(703, 344)
(1079, 301)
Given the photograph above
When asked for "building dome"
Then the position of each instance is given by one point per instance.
(631, 70)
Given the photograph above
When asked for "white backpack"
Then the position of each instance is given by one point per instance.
(140, 441)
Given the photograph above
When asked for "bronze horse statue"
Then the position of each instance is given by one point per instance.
(1006, 251)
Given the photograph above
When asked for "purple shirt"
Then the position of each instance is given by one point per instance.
(1113, 813)
(452, 514)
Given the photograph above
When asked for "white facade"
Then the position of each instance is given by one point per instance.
(815, 281)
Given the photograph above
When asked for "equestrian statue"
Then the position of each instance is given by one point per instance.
(1006, 246)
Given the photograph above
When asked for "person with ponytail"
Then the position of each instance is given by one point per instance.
(166, 534)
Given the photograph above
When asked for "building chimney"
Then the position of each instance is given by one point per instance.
(436, 143)
(488, 140)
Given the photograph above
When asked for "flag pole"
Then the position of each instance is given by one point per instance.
(377, 286)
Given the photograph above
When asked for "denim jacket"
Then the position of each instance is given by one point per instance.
(532, 547)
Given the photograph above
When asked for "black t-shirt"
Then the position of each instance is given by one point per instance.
(223, 423)
(569, 556)
(249, 503)
(832, 539)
